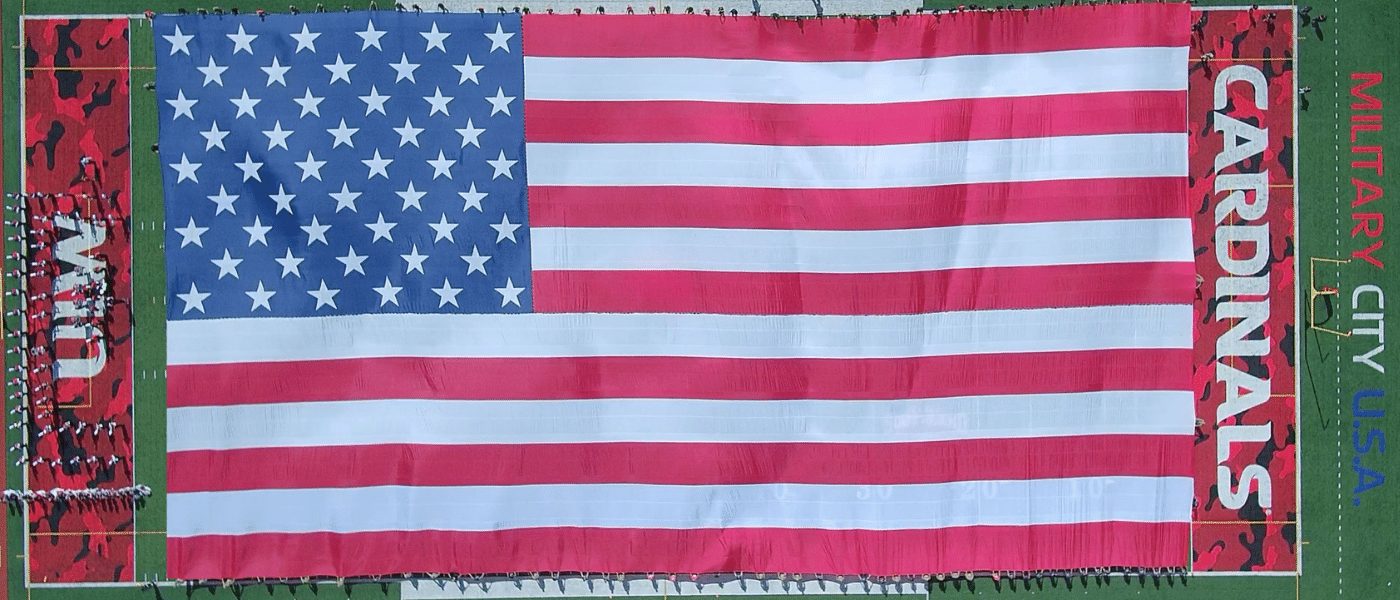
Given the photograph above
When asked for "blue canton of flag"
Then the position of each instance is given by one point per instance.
(351, 163)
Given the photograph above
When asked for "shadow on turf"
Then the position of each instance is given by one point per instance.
(1069, 582)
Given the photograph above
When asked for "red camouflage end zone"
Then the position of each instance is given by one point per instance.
(76, 105)
(1242, 89)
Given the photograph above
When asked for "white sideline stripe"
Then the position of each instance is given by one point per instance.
(856, 82)
(859, 167)
(643, 420)
(539, 335)
(835, 507)
(893, 251)
(73, 16)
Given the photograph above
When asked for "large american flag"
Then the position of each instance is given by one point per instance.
(472, 293)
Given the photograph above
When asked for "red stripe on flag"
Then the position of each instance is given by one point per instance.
(864, 293)
(595, 550)
(679, 463)
(977, 32)
(864, 209)
(677, 377)
(855, 124)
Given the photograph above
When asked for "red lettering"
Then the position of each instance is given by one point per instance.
(1359, 91)
(1366, 254)
(1364, 221)
(1363, 127)
(1365, 192)
(1378, 164)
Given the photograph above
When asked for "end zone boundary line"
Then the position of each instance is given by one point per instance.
(29, 583)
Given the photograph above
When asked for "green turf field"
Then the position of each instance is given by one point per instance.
(1347, 550)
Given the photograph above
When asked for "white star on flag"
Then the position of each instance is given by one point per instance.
(510, 294)
(283, 199)
(500, 103)
(377, 165)
(472, 197)
(191, 234)
(245, 105)
(505, 230)
(476, 262)
(371, 38)
(227, 265)
(471, 134)
(340, 71)
(354, 263)
(212, 73)
(411, 197)
(404, 70)
(310, 167)
(408, 134)
(261, 297)
(374, 102)
(502, 166)
(342, 135)
(388, 293)
(182, 105)
(324, 296)
(309, 104)
(414, 260)
(276, 73)
(447, 294)
(316, 231)
(381, 229)
(305, 40)
(257, 232)
(499, 39)
(249, 168)
(242, 40)
(179, 42)
(277, 136)
(438, 102)
(442, 230)
(186, 169)
(194, 299)
(224, 201)
(345, 198)
(443, 165)
(434, 38)
(214, 138)
(291, 265)
(468, 71)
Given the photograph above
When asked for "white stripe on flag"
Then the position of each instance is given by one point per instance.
(451, 422)
(856, 82)
(678, 335)
(839, 507)
(860, 167)
(894, 251)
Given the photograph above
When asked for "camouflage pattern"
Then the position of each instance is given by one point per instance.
(76, 105)
(1251, 538)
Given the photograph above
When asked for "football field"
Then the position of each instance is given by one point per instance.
(1333, 530)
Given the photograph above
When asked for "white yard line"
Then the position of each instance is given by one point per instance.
(1297, 320)
(24, 291)
(1337, 209)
